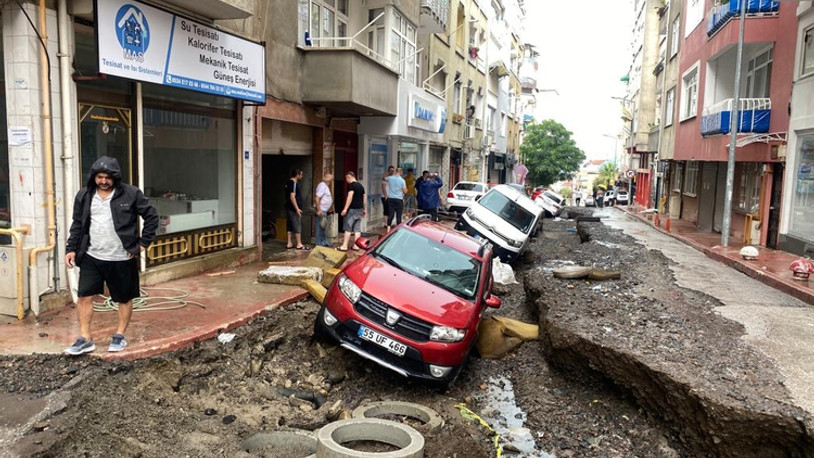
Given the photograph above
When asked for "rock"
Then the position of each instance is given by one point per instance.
(325, 258)
(289, 275)
(568, 272)
(210, 412)
(274, 341)
(344, 415)
(41, 425)
(602, 274)
(335, 410)
(336, 375)
(229, 419)
(315, 380)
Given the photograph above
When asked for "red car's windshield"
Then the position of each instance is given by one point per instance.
(431, 261)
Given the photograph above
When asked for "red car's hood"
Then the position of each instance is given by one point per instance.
(410, 294)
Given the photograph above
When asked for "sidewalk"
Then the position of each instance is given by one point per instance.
(771, 267)
(227, 300)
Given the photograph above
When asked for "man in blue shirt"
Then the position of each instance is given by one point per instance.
(396, 188)
(428, 198)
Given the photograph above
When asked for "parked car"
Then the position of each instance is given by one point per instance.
(621, 197)
(505, 217)
(537, 191)
(519, 187)
(589, 200)
(551, 202)
(609, 199)
(461, 196)
(413, 301)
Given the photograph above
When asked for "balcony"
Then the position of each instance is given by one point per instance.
(348, 77)
(753, 117)
(434, 16)
(720, 14)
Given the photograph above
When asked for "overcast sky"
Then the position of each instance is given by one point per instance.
(584, 49)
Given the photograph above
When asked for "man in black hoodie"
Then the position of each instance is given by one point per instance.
(105, 244)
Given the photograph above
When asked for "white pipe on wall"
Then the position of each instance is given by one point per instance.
(66, 105)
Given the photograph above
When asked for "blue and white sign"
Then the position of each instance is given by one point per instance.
(426, 114)
(143, 43)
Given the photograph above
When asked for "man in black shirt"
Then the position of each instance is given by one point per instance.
(293, 209)
(355, 208)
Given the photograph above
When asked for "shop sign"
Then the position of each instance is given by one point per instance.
(425, 114)
(139, 42)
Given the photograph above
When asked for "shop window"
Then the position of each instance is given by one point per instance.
(190, 144)
(408, 156)
(808, 52)
(802, 207)
(748, 192)
(691, 178)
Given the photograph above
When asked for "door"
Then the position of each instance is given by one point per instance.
(706, 197)
(105, 131)
(720, 194)
(774, 206)
(347, 160)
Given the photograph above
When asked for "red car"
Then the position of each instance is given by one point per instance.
(413, 301)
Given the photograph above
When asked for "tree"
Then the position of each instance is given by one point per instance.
(607, 174)
(550, 153)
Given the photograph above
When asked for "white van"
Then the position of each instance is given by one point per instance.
(505, 217)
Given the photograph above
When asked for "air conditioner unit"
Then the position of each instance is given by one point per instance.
(469, 132)
(488, 139)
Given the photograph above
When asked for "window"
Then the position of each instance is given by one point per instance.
(189, 158)
(802, 204)
(678, 172)
(759, 75)
(689, 107)
(456, 95)
(326, 20)
(675, 36)
(669, 107)
(375, 34)
(748, 186)
(691, 178)
(403, 47)
(808, 52)
(459, 32)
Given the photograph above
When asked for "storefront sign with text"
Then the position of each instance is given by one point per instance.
(143, 43)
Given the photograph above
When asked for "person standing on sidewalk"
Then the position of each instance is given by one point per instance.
(293, 209)
(323, 202)
(105, 244)
(353, 211)
(428, 197)
(396, 188)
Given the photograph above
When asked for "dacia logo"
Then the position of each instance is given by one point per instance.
(392, 317)
(133, 32)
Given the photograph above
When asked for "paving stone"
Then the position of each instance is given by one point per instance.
(325, 258)
(289, 275)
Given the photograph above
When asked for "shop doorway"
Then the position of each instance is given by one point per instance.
(105, 131)
(774, 205)
(706, 206)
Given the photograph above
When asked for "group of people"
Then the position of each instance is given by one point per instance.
(411, 194)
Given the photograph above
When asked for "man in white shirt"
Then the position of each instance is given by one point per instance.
(104, 242)
(323, 202)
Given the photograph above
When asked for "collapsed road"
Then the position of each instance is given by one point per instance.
(632, 367)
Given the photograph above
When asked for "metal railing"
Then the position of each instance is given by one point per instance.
(743, 105)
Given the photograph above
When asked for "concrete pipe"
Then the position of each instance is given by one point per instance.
(331, 437)
(292, 444)
(431, 421)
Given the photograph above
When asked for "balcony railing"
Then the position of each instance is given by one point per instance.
(720, 14)
(753, 117)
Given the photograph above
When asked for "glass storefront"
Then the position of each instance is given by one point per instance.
(408, 156)
(802, 207)
(189, 158)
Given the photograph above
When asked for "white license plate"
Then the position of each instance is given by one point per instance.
(465, 197)
(391, 345)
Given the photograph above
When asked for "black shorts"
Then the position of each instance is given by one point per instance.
(293, 222)
(121, 278)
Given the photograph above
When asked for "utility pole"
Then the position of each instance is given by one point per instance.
(733, 134)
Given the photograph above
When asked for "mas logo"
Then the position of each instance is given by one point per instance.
(133, 32)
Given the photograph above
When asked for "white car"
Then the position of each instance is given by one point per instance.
(622, 197)
(609, 198)
(551, 202)
(505, 217)
(463, 194)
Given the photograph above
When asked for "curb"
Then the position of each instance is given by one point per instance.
(747, 269)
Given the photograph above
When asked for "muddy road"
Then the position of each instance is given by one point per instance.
(205, 400)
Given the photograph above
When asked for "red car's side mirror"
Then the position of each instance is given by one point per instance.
(363, 243)
(493, 301)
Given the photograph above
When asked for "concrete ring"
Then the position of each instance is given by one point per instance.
(331, 437)
(432, 422)
(293, 443)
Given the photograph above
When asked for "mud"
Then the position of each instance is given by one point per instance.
(665, 345)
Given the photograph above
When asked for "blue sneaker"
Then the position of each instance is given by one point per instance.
(81, 346)
(117, 343)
